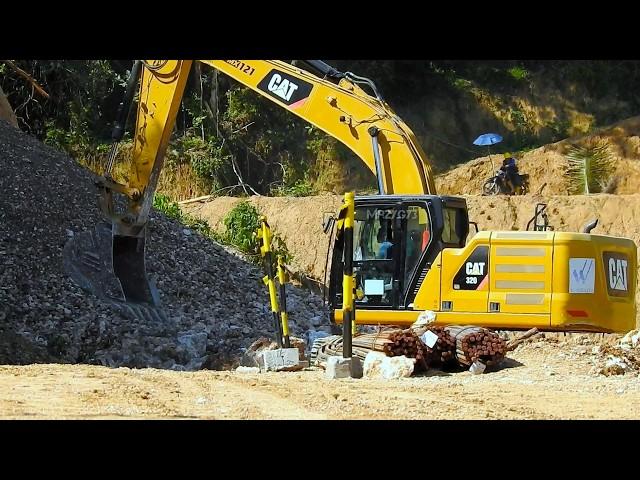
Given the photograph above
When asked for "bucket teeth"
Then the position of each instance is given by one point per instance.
(89, 259)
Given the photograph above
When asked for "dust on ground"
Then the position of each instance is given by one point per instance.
(549, 378)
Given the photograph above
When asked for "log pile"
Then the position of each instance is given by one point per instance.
(454, 345)
(443, 351)
(392, 342)
(475, 344)
(395, 343)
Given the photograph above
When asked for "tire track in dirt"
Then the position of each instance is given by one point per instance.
(543, 380)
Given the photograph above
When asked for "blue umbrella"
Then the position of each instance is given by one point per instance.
(488, 139)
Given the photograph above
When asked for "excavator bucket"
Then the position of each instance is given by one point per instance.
(112, 267)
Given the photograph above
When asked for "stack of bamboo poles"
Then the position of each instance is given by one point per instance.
(475, 344)
(392, 342)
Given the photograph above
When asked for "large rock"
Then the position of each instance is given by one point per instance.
(378, 365)
(195, 344)
(6, 112)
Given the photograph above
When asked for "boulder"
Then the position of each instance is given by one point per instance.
(378, 365)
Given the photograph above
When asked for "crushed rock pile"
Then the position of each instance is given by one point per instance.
(621, 358)
(216, 302)
(608, 354)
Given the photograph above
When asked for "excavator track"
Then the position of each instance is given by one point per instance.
(323, 348)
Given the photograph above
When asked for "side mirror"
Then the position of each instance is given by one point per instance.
(475, 224)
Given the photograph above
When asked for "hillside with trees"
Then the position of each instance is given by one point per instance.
(224, 130)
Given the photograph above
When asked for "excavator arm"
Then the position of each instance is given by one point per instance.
(364, 123)
(110, 260)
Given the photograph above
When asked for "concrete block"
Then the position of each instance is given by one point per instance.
(279, 360)
(338, 367)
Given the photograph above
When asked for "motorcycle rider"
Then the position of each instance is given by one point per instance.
(510, 173)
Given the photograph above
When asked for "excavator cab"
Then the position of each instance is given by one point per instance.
(395, 239)
(555, 281)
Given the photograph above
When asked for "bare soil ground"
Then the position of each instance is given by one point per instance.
(545, 379)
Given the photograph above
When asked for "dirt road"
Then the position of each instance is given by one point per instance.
(540, 381)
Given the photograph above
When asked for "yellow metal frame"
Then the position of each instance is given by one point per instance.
(347, 113)
(528, 278)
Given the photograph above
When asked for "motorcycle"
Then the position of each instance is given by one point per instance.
(499, 184)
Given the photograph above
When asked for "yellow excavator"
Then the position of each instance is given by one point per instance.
(410, 250)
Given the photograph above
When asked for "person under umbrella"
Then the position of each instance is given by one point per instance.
(512, 175)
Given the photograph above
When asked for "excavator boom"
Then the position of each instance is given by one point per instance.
(109, 261)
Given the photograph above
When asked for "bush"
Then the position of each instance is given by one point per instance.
(590, 167)
(241, 224)
(170, 208)
(518, 73)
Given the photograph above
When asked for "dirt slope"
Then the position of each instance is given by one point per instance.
(297, 219)
(547, 164)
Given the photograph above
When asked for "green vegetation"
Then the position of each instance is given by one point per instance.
(165, 205)
(241, 224)
(518, 73)
(172, 210)
(590, 167)
(230, 141)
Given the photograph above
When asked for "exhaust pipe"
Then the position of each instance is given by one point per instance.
(590, 226)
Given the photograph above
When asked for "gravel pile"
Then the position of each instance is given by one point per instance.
(620, 358)
(216, 302)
